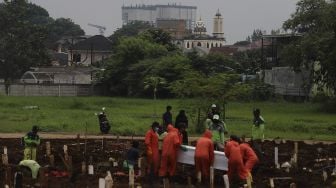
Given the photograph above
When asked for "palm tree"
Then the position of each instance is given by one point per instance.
(154, 82)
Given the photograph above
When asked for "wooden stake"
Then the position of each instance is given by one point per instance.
(52, 160)
(226, 181)
(276, 157)
(48, 148)
(4, 159)
(5, 150)
(199, 177)
(101, 183)
(66, 155)
(166, 183)
(139, 166)
(131, 177)
(5, 156)
(83, 167)
(296, 149)
(90, 169)
(212, 175)
(271, 183)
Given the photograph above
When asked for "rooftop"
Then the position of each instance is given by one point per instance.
(96, 43)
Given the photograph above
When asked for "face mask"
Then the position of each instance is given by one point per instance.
(156, 129)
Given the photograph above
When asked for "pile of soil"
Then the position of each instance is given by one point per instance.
(314, 168)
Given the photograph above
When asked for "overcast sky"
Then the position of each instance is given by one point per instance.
(241, 17)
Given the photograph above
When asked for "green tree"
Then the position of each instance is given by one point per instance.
(257, 34)
(160, 37)
(121, 73)
(213, 63)
(21, 42)
(315, 19)
(62, 27)
(131, 29)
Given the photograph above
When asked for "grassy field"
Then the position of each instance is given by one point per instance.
(134, 116)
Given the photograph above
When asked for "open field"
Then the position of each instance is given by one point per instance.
(133, 116)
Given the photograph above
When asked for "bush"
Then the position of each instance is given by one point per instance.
(262, 91)
(241, 92)
(329, 106)
(320, 97)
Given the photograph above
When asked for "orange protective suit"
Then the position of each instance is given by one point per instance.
(170, 147)
(152, 146)
(236, 167)
(204, 154)
(249, 156)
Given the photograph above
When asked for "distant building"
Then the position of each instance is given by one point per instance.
(225, 50)
(90, 51)
(177, 28)
(153, 13)
(200, 40)
(59, 75)
(218, 31)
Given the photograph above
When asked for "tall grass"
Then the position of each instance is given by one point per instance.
(134, 116)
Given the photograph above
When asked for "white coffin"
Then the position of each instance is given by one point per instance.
(187, 157)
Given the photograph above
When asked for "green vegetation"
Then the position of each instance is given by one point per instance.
(134, 116)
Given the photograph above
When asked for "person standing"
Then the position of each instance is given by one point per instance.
(181, 123)
(250, 159)
(258, 126)
(31, 142)
(218, 129)
(133, 155)
(167, 118)
(214, 111)
(236, 170)
(170, 147)
(204, 155)
(152, 149)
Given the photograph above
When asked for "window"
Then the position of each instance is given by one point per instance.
(188, 45)
(199, 44)
(207, 45)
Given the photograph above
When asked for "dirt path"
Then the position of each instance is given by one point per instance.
(65, 135)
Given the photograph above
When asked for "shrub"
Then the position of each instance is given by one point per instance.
(262, 91)
(329, 106)
(320, 97)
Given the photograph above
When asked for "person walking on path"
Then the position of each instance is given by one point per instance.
(31, 142)
(258, 126)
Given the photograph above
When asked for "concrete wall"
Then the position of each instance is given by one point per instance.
(288, 82)
(2, 89)
(51, 90)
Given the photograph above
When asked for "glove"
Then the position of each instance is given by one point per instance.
(149, 152)
(183, 148)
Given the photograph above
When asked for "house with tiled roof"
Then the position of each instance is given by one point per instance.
(90, 51)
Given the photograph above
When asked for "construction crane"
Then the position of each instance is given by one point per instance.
(101, 28)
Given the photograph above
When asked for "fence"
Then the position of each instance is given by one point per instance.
(291, 91)
(51, 90)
